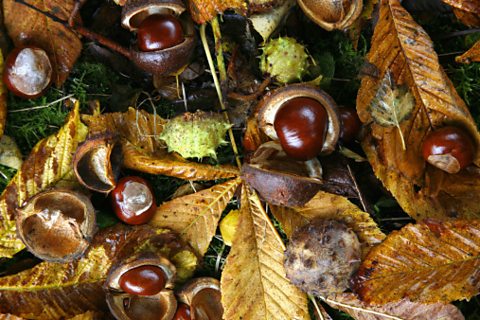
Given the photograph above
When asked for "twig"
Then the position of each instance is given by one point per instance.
(459, 33)
(43, 106)
(252, 96)
(355, 184)
(359, 308)
(317, 308)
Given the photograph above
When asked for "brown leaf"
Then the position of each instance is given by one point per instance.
(254, 284)
(403, 309)
(55, 290)
(205, 10)
(3, 98)
(195, 216)
(27, 26)
(472, 55)
(330, 206)
(401, 47)
(143, 151)
(467, 11)
(429, 262)
(49, 162)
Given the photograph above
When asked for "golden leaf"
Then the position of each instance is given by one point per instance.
(432, 261)
(330, 206)
(467, 11)
(27, 26)
(49, 162)
(403, 309)
(195, 216)
(205, 10)
(472, 55)
(143, 151)
(401, 47)
(58, 290)
(254, 284)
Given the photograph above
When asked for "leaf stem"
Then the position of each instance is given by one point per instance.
(330, 301)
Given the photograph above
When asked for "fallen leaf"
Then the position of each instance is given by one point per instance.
(58, 290)
(266, 23)
(429, 262)
(467, 11)
(144, 151)
(472, 55)
(355, 30)
(27, 26)
(401, 47)
(49, 162)
(3, 98)
(253, 283)
(403, 309)
(205, 10)
(195, 217)
(10, 154)
(330, 206)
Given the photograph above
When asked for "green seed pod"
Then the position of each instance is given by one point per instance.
(195, 135)
(284, 59)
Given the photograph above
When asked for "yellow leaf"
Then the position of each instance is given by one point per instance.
(49, 162)
(432, 261)
(195, 216)
(472, 55)
(254, 284)
(143, 151)
(403, 49)
(467, 11)
(330, 206)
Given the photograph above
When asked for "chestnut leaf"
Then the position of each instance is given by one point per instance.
(3, 99)
(472, 55)
(203, 11)
(467, 11)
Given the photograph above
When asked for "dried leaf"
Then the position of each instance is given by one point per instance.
(205, 10)
(402, 47)
(266, 23)
(472, 55)
(143, 151)
(254, 284)
(330, 206)
(10, 154)
(432, 261)
(49, 162)
(467, 11)
(3, 98)
(355, 30)
(195, 216)
(27, 26)
(403, 309)
(55, 290)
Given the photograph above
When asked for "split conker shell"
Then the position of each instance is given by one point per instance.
(204, 298)
(56, 225)
(332, 14)
(322, 256)
(135, 11)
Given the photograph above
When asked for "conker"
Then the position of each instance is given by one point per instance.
(301, 126)
(449, 148)
(145, 280)
(133, 200)
(183, 312)
(159, 31)
(28, 72)
(350, 124)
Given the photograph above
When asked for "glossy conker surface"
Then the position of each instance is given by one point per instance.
(133, 200)
(350, 124)
(449, 148)
(159, 31)
(143, 281)
(301, 125)
(183, 312)
(27, 72)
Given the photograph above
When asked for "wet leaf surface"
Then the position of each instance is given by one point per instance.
(467, 11)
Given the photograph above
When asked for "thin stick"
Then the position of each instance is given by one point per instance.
(359, 308)
(217, 35)
(360, 195)
(42, 107)
(317, 308)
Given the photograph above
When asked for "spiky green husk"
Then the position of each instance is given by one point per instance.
(195, 135)
(284, 59)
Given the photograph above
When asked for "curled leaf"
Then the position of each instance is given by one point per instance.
(10, 154)
(431, 261)
(205, 10)
(266, 23)
(472, 55)
(467, 11)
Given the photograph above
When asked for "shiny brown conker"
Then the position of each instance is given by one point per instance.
(159, 31)
(133, 200)
(144, 280)
(182, 313)
(27, 72)
(350, 124)
(449, 148)
(301, 126)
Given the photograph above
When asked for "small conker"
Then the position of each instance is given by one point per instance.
(144, 280)
(133, 200)
(183, 312)
(159, 31)
(350, 124)
(449, 148)
(301, 126)
(27, 72)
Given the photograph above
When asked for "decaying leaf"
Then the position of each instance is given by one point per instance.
(10, 154)
(55, 290)
(330, 206)
(195, 216)
(431, 261)
(400, 46)
(472, 55)
(27, 26)
(3, 96)
(205, 10)
(253, 137)
(266, 23)
(403, 309)
(254, 284)
(355, 31)
(467, 11)
(49, 162)
(144, 151)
